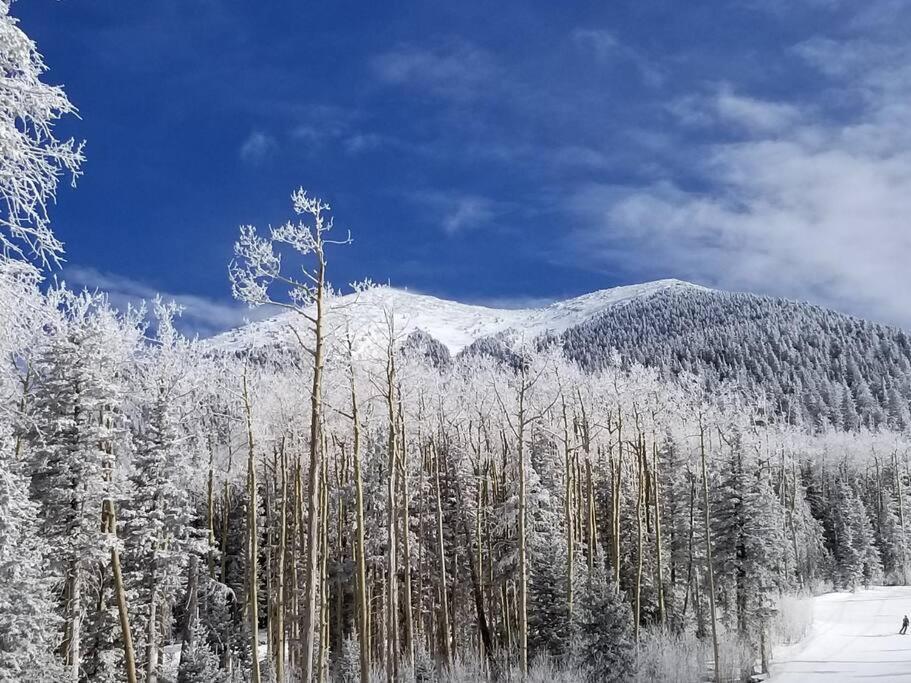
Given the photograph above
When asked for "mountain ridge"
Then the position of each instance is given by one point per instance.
(456, 324)
(812, 364)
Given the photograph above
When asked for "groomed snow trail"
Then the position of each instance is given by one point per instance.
(854, 638)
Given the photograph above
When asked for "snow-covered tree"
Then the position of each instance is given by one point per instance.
(32, 160)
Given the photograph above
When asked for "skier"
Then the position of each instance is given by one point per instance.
(904, 625)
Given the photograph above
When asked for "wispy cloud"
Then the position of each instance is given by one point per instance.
(359, 143)
(606, 48)
(257, 147)
(459, 71)
(725, 107)
(201, 315)
(321, 127)
(458, 212)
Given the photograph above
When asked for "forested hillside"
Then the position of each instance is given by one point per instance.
(815, 366)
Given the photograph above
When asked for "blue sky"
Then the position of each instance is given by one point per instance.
(520, 153)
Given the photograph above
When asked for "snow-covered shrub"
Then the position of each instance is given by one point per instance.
(546, 669)
(735, 657)
(466, 668)
(667, 656)
(792, 620)
(348, 663)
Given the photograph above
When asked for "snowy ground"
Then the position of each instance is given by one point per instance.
(854, 638)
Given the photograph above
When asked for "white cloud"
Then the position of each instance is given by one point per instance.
(362, 142)
(607, 49)
(753, 114)
(202, 315)
(257, 147)
(458, 212)
(601, 42)
(747, 114)
(807, 205)
(459, 72)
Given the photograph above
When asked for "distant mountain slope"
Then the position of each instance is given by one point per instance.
(455, 325)
(815, 365)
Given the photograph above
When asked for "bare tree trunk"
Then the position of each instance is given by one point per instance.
(252, 549)
(658, 549)
(708, 549)
(210, 512)
(441, 549)
(362, 609)
(129, 657)
(616, 502)
(269, 539)
(474, 566)
(311, 616)
(406, 537)
(280, 597)
(640, 499)
(322, 663)
(392, 603)
(691, 541)
(568, 512)
(523, 549)
(901, 517)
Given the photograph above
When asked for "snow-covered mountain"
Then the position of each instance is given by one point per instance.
(453, 324)
(813, 364)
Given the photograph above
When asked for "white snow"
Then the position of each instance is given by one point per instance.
(854, 638)
(454, 324)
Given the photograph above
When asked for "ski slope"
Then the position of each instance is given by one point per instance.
(854, 638)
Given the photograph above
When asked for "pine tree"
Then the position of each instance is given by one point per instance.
(158, 521)
(28, 619)
(77, 428)
(198, 663)
(607, 646)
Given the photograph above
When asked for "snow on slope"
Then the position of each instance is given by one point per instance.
(854, 638)
(454, 324)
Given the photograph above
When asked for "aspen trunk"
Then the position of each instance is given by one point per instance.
(708, 550)
(640, 496)
(322, 663)
(279, 630)
(311, 616)
(616, 503)
(901, 517)
(441, 549)
(658, 550)
(362, 608)
(523, 550)
(691, 541)
(569, 512)
(129, 657)
(252, 549)
(210, 512)
(406, 573)
(392, 602)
